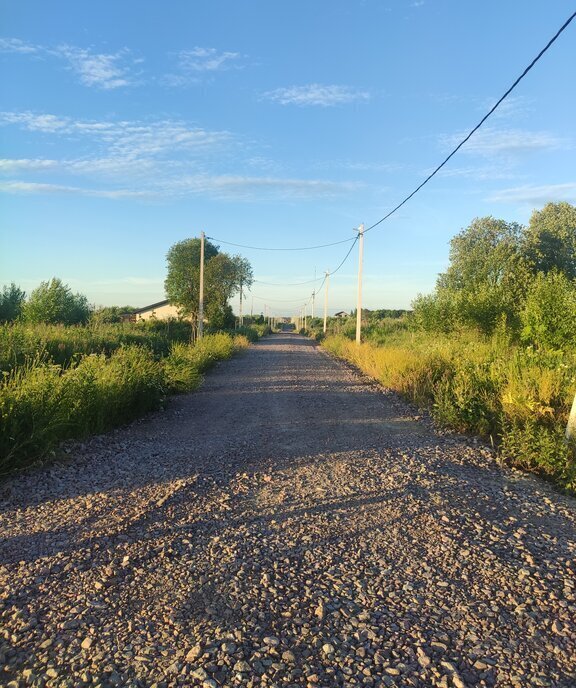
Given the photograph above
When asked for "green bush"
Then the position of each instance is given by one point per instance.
(549, 316)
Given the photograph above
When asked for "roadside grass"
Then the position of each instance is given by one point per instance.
(43, 402)
(518, 397)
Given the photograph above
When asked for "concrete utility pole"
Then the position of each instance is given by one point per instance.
(201, 300)
(305, 316)
(359, 300)
(313, 298)
(326, 301)
(571, 427)
(241, 316)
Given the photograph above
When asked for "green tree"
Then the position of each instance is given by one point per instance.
(488, 274)
(12, 299)
(549, 316)
(551, 239)
(110, 314)
(54, 302)
(223, 277)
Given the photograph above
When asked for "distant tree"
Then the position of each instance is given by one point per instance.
(54, 302)
(110, 314)
(12, 299)
(551, 239)
(223, 277)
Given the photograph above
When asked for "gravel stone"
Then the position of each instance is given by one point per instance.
(290, 524)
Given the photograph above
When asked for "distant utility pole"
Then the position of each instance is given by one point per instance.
(305, 316)
(326, 300)
(313, 297)
(359, 301)
(201, 300)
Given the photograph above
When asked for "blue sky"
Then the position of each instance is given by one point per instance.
(128, 126)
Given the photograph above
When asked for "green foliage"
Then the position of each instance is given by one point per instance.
(549, 316)
(223, 277)
(11, 302)
(41, 404)
(53, 302)
(551, 239)
(488, 274)
(109, 314)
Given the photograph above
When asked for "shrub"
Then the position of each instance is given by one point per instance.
(549, 316)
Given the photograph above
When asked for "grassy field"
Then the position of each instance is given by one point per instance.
(516, 396)
(70, 382)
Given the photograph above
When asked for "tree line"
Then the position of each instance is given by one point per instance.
(53, 302)
(506, 275)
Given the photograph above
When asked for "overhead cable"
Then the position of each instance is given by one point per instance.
(480, 123)
(267, 248)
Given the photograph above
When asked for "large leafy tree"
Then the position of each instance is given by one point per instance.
(488, 273)
(11, 302)
(54, 302)
(224, 275)
(551, 239)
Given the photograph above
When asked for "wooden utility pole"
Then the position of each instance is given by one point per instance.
(359, 300)
(326, 301)
(201, 299)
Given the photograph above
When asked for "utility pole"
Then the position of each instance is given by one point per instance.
(326, 300)
(313, 297)
(305, 316)
(359, 300)
(201, 301)
(241, 316)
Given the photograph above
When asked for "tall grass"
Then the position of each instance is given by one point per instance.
(518, 397)
(21, 342)
(43, 402)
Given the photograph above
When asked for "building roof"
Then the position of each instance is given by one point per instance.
(152, 307)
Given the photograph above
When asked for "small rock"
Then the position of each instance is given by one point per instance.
(194, 653)
(328, 649)
(289, 656)
(86, 643)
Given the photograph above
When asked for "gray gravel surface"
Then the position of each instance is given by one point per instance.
(290, 524)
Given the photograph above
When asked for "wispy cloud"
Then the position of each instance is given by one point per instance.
(192, 66)
(125, 139)
(316, 95)
(241, 187)
(207, 60)
(496, 142)
(161, 159)
(19, 187)
(537, 195)
(106, 71)
(15, 45)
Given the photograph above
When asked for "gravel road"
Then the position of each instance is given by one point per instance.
(290, 524)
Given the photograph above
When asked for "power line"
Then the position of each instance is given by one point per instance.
(288, 284)
(480, 123)
(266, 248)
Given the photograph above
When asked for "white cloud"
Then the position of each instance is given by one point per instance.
(537, 195)
(100, 70)
(207, 60)
(26, 164)
(19, 187)
(162, 159)
(496, 142)
(316, 94)
(246, 187)
(15, 45)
